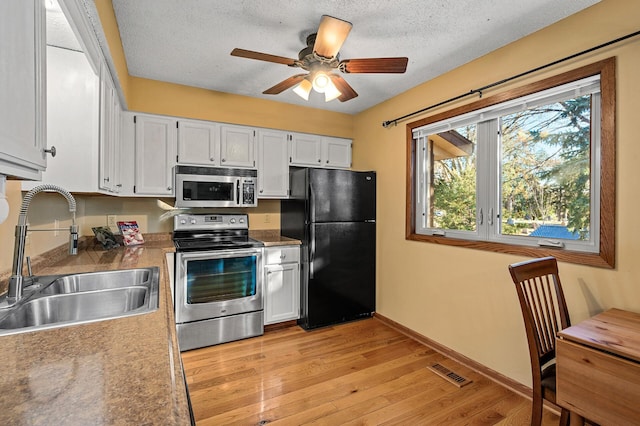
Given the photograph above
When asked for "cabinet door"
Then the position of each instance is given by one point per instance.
(23, 88)
(126, 153)
(305, 150)
(198, 143)
(116, 150)
(238, 146)
(273, 167)
(72, 122)
(109, 168)
(155, 154)
(282, 293)
(336, 152)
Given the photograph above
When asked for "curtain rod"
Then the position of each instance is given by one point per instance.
(386, 124)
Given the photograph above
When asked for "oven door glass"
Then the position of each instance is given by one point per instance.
(219, 280)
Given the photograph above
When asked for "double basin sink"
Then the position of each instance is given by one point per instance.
(62, 300)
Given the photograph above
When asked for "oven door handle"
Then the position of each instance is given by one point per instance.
(312, 254)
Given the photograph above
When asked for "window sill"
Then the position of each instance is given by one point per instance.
(589, 259)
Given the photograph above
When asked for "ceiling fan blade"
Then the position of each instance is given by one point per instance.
(344, 88)
(332, 32)
(285, 84)
(262, 57)
(374, 65)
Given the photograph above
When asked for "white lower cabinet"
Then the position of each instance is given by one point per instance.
(281, 283)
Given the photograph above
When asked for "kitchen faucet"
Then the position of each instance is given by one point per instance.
(16, 282)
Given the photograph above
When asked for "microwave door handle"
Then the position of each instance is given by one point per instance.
(238, 200)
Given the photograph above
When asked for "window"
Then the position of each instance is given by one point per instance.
(527, 172)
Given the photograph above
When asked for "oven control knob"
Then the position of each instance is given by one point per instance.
(232, 220)
(241, 220)
(193, 221)
(183, 221)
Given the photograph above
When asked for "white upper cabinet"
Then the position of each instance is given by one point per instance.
(155, 154)
(198, 143)
(305, 150)
(22, 88)
(238, 146)
(207, 143)
(319, 151)
(336, 152)
(110, 179)
(72, 122)
(273, 165)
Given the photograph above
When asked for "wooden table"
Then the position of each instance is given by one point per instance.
(598, 369)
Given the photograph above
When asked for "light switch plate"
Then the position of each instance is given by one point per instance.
(112, 221)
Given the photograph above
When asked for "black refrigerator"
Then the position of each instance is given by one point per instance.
(333, 213)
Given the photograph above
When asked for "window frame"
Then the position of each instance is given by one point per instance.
(605, 255)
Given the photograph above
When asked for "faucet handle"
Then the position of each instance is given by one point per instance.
(73, 240)
(29, 270)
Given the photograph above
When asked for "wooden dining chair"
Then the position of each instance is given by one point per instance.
(545, 313)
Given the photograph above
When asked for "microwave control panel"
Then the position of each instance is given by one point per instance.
(248, 193)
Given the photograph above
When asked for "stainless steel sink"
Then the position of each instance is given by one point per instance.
(98, 281)
(60, 301)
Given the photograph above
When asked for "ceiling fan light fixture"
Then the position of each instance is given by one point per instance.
(331, 92)
(303, 89)
(320, 82)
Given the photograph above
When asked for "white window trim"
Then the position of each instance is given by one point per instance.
(488, 182)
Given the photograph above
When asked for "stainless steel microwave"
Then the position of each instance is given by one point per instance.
(215, 187)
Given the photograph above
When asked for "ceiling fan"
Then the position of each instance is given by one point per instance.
(320, 58)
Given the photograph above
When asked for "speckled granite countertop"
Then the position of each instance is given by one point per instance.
(272, 238)
(124, 371)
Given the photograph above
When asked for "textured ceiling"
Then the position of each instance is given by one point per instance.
(59, 33)
(189, 41)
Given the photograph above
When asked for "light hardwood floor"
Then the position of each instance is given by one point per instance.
(359, 373)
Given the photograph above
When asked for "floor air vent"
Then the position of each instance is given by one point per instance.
(449, 375)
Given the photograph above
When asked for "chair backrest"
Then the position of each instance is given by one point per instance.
(543, 306)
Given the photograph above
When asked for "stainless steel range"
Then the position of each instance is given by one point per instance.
(218, 280)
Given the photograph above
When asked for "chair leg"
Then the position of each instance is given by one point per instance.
(564, 417)
(574, 420)
(536, 411)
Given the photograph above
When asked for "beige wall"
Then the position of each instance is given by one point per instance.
(464, 298)
(461, 298)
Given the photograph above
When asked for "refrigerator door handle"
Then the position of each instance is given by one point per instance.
(312, 209)
(312, 254)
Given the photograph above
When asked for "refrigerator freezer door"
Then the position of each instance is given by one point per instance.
(341, 273)
(341, 195)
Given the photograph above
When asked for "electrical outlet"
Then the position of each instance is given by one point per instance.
(112, 221)
(267, 218)
(56, 226)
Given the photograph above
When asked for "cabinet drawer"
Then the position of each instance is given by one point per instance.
(281, 254)
(598, 385)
